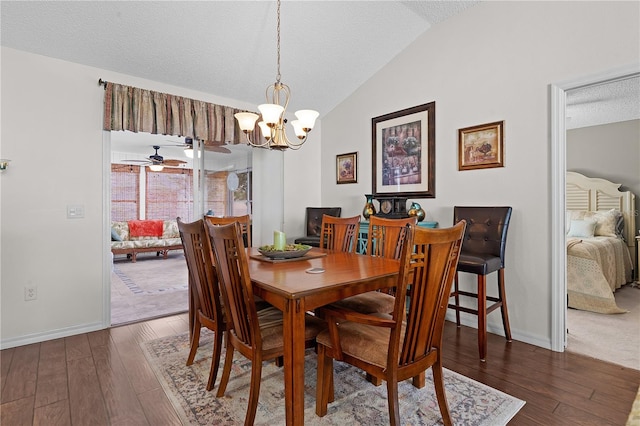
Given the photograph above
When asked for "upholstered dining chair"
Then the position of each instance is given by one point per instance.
(255, 334)
(482, 253)
(385, 239)
(406, 343)
(245, 222)
(206, 308)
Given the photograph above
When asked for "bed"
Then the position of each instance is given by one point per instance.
(600, 228)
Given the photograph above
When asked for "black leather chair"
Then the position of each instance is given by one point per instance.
(482, 253)
(314, 224)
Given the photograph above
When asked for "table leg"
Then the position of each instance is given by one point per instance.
(294, 349)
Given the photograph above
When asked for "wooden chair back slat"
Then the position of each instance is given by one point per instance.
(339, 233)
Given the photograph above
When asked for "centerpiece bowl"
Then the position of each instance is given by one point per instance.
(290, 251)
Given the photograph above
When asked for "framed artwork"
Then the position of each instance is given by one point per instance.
(403, 153)
(347, 168)
(481, 147)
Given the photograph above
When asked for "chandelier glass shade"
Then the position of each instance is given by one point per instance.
(272, 125)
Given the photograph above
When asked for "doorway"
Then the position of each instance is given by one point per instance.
(197, 183)
(558, 93)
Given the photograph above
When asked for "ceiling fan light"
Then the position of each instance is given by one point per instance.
(188, 152)
(307, 118)
(271, 113)
(156, 167)
(246, 120)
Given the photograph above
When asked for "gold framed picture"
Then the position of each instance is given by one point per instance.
(347, 168)
(481, 147)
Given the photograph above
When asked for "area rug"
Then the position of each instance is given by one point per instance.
(357, 402)
(149, 288)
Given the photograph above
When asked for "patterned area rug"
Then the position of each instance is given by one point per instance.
(357, 402)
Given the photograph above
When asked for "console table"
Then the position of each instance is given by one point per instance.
(363, 234)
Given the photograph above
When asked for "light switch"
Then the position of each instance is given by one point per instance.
(75, 211)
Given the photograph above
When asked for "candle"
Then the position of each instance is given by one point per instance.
(279, 240)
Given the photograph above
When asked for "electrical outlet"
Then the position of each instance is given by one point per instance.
(30, 293)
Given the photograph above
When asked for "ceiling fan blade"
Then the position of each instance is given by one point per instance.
(142, 162)
(220, 149)
(172, 163)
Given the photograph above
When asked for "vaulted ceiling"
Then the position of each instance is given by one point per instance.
(228, 48)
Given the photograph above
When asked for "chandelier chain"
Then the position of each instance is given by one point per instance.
(278, 49)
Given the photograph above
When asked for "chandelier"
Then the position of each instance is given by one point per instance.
(273, 121)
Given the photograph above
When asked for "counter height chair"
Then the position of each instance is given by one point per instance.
(483, 253)
(313, 224)
(258, 335)
(205, 304)
(406, 343)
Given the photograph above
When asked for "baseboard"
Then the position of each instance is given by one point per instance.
(50, 335)
(471, 321)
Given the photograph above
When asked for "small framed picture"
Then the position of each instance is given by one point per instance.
(347, 168)
(481, 147)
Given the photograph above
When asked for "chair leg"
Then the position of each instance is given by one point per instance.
(482, 316)
(324, 382)
(503, 307)
(375, 381)
(215, 360)
(226, 370)
(394, 408)
(195, 340)
(254, 391)
(457, 299)
(438, 383)
(419, 380)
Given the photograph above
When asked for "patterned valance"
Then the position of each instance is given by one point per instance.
(138, 110)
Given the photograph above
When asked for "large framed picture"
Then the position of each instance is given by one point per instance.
(347, 168)
(481, 147)
(403, 152)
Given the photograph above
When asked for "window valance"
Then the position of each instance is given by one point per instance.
(139, 110)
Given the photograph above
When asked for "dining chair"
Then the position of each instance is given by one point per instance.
(206, 308)
(339, 233)
(258, 335)
(313, 224)
(406, 343)
(483, 253)
(385, 239)
(245, 222)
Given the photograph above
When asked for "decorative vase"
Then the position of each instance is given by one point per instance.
(417, 211)
(369, 208)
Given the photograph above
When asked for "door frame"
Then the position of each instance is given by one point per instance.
(558, 194)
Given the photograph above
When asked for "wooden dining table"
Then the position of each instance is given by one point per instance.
(286, 285)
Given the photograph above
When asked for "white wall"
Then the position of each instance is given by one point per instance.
(52, 132)
(609, 151)
(493, 62)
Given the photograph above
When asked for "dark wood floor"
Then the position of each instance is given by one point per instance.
(102, 378)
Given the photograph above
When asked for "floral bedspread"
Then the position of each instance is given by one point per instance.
(596, 267)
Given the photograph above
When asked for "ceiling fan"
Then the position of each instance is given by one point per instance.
(158, 160)
(208, 146)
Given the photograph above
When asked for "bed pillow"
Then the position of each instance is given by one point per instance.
(606, 222)
(582, 229)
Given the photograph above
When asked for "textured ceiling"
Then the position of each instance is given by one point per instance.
(228, 48)
(604, 103)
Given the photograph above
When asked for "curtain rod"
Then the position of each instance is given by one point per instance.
(102, 82)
